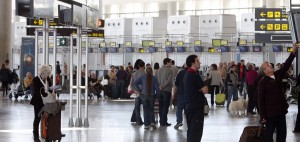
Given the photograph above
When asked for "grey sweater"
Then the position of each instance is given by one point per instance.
(165, 77)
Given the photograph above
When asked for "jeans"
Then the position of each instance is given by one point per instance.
(120, 89)
(278, 122)
(136, 114)
(164, 102)
(212, 92)
(180, 107)
(148, 106)
(195, 123)
(241, 88)
(232, 92)
(251, 102)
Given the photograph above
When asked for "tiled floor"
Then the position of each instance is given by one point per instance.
(110, 122)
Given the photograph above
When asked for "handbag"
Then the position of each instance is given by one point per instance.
(206, 107)
(129, 90)
(207, 81)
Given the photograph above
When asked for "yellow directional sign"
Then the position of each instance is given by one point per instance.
(168, 43)
(270, 27)
(270, 14)
(277, 14)
(262, 26)
(253, 41)
(179, 43)
(263, 14)
(277, 27)
(197, 42)
(285, 27)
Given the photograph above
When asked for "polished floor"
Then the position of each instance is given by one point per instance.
(110, 122)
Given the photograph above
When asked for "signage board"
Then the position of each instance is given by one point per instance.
(67, 32)
(270, 13)
(273, 38)
(39, 22)
(272, 26)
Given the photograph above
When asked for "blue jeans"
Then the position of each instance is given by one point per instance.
(180, 107)
(148, 106)
(120, 89)
(164, 103)
(232, 92)
(136, 114)
(241, 88)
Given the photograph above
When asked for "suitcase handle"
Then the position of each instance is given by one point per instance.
(259, 133)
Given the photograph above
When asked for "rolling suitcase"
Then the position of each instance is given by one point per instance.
(220, 99)
(252, 134)
(51, 127)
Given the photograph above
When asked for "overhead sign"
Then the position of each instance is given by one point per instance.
(273, 38)
(128, 44)
(102, 44)
(67, 32)
(272, 26)
(35, 22)
(269, 13)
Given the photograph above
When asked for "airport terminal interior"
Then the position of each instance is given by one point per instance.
(94, 48)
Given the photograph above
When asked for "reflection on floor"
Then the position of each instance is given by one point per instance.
(109, 122)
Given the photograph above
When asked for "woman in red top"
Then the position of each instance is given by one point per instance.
(250, 77)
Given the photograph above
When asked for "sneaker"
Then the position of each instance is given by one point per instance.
(146, 127)
(178, 125)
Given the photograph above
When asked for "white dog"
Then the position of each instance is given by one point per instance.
(238, 108)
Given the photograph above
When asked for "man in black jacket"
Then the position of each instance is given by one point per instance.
(271, 100)
(194, 90)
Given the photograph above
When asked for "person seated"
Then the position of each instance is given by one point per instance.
(28, 81)
(95, 86)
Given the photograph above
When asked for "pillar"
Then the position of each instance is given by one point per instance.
(5, 30)
(172, 8)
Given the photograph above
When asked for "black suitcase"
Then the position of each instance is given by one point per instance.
(51, 127)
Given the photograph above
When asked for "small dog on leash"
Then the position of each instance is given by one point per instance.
(238, 108)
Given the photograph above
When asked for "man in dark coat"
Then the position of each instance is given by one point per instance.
(271, 100)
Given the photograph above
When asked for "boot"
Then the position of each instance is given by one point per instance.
(36, 136)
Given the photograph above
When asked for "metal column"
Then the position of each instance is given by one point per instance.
(71, 123)
(78, 122)
(54, 54)
(86, 120)
(46, 23)
(36, 52)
